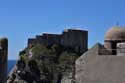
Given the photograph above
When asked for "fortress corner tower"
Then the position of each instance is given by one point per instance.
(3, 59)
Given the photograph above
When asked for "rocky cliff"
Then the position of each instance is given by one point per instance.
(45, 64)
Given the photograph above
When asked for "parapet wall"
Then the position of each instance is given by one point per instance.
(77, 39)
(94, 68)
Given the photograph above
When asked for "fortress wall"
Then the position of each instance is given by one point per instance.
(31, 42)
(39, 39)
(103, 69)
(77, 39)
(94, 68)
(51, 39)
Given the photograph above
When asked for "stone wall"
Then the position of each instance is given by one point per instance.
(31, 42)
(52, 39)
(94, 68)
(76, 39)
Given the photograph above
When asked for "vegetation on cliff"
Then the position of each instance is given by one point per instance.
(46, 64)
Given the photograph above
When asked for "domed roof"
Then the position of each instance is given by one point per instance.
(115, 33)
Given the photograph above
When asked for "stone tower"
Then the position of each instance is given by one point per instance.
(114, 36)
(73, 38)
(76, 39)
(3, 59)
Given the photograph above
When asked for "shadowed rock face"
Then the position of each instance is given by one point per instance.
(3, 59)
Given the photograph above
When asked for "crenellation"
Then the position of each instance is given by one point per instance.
(74, 38)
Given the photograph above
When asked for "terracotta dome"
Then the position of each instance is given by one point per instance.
(115, 33)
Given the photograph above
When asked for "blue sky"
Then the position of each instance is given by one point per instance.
(22, 19)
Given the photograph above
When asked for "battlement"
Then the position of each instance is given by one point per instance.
(74, 38)
(74, 30)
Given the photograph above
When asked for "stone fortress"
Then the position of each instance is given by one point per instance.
(99, 64)
(104, 63)
(74, 38)
(3, 59)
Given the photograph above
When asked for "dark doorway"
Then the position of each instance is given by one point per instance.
(114, 48)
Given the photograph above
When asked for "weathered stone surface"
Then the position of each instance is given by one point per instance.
(121, 49)
(78, 39)
(94, 68)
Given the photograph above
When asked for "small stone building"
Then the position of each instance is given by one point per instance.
(114, 36)
(104, 63)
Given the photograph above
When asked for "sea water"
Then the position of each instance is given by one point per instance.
(11, 64)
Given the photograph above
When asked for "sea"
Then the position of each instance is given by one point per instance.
(11, 64)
